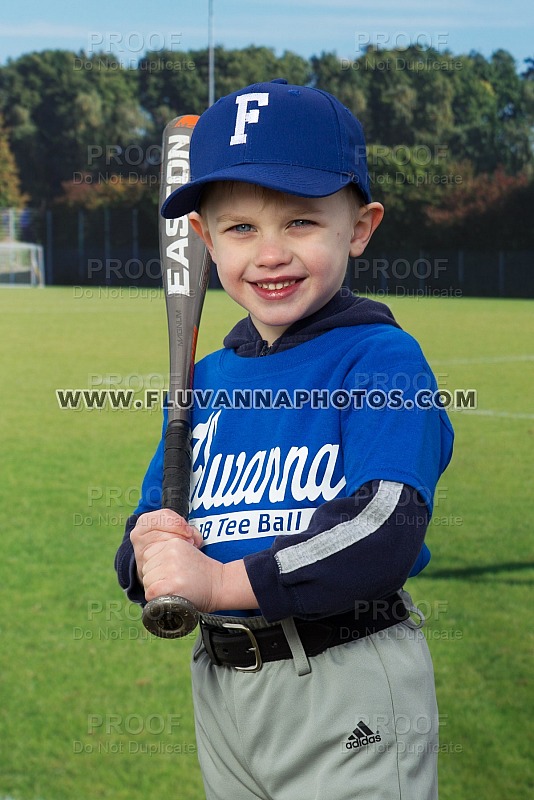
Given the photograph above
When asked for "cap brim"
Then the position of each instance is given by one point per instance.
(287, 178)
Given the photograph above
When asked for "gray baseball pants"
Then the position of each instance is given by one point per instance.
(358, 721)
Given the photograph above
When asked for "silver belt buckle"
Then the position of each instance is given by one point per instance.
(237, 626)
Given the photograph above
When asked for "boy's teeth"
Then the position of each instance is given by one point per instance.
(272, 286)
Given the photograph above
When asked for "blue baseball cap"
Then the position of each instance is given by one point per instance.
(293, 139)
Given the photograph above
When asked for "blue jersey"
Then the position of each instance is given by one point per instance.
(276, 438)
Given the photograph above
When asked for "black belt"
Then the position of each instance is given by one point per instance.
(245, 649)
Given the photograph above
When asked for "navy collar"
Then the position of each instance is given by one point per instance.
(342, 311)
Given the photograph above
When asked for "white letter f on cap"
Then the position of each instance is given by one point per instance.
(244, 116)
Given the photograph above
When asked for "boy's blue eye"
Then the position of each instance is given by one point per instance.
(300, 223)
(244, 227)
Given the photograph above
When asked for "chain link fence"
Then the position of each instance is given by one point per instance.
(119, 247)
(18, 225)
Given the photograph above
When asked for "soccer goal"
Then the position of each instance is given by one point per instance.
(21, 264)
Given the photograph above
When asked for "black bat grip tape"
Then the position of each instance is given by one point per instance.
(172, 616)
(177, 467)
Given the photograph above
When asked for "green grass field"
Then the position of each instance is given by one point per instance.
(94, 708)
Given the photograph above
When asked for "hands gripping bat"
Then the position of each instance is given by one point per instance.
(185, 264)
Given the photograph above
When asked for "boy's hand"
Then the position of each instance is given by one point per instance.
(170, 561)
(176, 567)
(160, 526)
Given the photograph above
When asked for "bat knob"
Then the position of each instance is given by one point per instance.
(170, 617)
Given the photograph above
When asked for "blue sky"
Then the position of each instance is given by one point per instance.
(130, 27)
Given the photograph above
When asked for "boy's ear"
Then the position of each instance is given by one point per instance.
(368, 221)
(199, 225)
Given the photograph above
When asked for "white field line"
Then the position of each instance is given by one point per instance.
(487, 412)
(483, 360)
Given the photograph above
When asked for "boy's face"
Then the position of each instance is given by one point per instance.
(280, 256)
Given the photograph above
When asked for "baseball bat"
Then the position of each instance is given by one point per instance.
(185, 266)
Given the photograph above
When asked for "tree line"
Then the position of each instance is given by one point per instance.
(449, 137)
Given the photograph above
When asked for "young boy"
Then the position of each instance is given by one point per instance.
(314, 468)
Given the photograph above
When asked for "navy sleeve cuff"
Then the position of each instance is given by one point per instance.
(370, 542)
(126, 566)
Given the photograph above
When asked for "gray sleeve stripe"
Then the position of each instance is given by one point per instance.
(343, 535)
